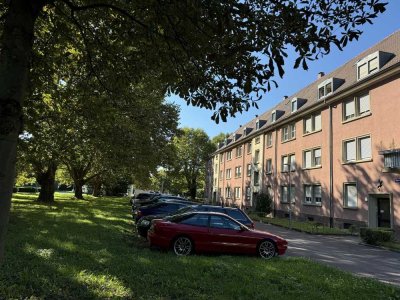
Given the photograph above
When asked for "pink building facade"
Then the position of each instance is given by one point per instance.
(329, 153)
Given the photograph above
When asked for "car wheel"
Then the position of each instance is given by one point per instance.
(267, 249)
(183, 246)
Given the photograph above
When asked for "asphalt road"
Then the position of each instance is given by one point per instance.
(343, 252)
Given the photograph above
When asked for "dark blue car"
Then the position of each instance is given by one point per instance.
(162, 208)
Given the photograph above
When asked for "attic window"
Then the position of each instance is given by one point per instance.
(273, 116)
(294, 105)
(371, 63)
(325, 88)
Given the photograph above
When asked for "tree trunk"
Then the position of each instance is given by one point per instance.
(78, 189)
(96, 182)
(16, 50)
(193, 190)
(47, 181)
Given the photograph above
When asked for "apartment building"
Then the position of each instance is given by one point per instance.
(330, 152)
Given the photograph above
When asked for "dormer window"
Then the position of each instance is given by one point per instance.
(245, 131)
(294, 105)
(328, 86)
(371, 64)
(325, 88)
(257, 125)
(273, 116)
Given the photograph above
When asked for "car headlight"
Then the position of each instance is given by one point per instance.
(145, 222)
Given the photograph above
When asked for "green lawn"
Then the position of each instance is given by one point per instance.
(86, 249)
(309, 227)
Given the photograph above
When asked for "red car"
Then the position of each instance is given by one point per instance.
(213, 232)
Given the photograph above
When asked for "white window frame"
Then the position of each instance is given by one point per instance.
(288, 132)
(295, 103)
(228, 192)
(313, 123)
(268, 166)
(238, 171)
(358, 149)
(324, 85)
(356, 106)
(313, 157)
(366, 61)
(289, 165)
(290, 193)
(228, 173)
(229, 155)
(345, 195)
(239, 151)
(257, 125)
(273, 116)
(312, 200)
(269, 139)
(249, 146)
(237, 192)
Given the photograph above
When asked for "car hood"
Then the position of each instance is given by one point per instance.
(264, 234)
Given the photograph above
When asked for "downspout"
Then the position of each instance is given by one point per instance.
(244, 152)
(276, 171)
(331, 209)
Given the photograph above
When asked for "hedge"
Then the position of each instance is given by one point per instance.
(375, 236)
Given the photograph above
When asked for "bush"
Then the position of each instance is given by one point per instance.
(375, 236)
(27, 189)
(263, 204)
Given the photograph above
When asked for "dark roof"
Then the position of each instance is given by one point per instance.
(347, 73)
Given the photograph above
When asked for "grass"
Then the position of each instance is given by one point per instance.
(307, 226)
(87, 249)
(394, 245)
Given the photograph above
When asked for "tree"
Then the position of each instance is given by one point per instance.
(209, 53)
(263, 204)
(219, 138)
(193, 148)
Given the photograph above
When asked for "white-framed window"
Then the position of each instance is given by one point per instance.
(294, 105)
(312, 123)
(288, 132)
(239, 151)
(256, 178)
(325, 88)
(248, 147)
(368, 65)
(288, 160)
(357, 149)
(249, 170)
(228, 174)
(273, 116)
(359, 106)
(350, 195)
(238, 171)
(257, 125)
(229, 155)
(257, 140)
(391, 159)
(268, 166)
(312, 194)
(256, 156)
(228, 192)
(287, 193)
(312, 158)
(269, 139)
(248, 192)
(237, 192)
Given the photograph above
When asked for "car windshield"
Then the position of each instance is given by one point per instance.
(236, 214)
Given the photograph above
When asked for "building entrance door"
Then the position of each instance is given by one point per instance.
(383, 205)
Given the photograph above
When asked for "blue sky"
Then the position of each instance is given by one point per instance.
(294, 80)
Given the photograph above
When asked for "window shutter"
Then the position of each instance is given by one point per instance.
(317, 122)
(362, 71)
(364, 104)
(350, 148)
(351, 195)
(365, 148)
(349, 109)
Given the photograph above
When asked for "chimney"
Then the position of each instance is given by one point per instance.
(285, 97)
(256, 116)
(320, 75)
(240, 126)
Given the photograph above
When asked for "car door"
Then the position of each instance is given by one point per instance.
(226, 235)
(196, 227)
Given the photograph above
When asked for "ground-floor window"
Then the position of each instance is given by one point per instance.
(237, 192)
(287, 193)
(350, 195)
(312, 194)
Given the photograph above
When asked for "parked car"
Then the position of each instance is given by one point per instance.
(213, 232)
(155, 199)
(143, 196)
(159, 209)
(143, 225)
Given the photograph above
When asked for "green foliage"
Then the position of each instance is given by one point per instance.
(376, 236)
(92, 252)
(263, 204)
